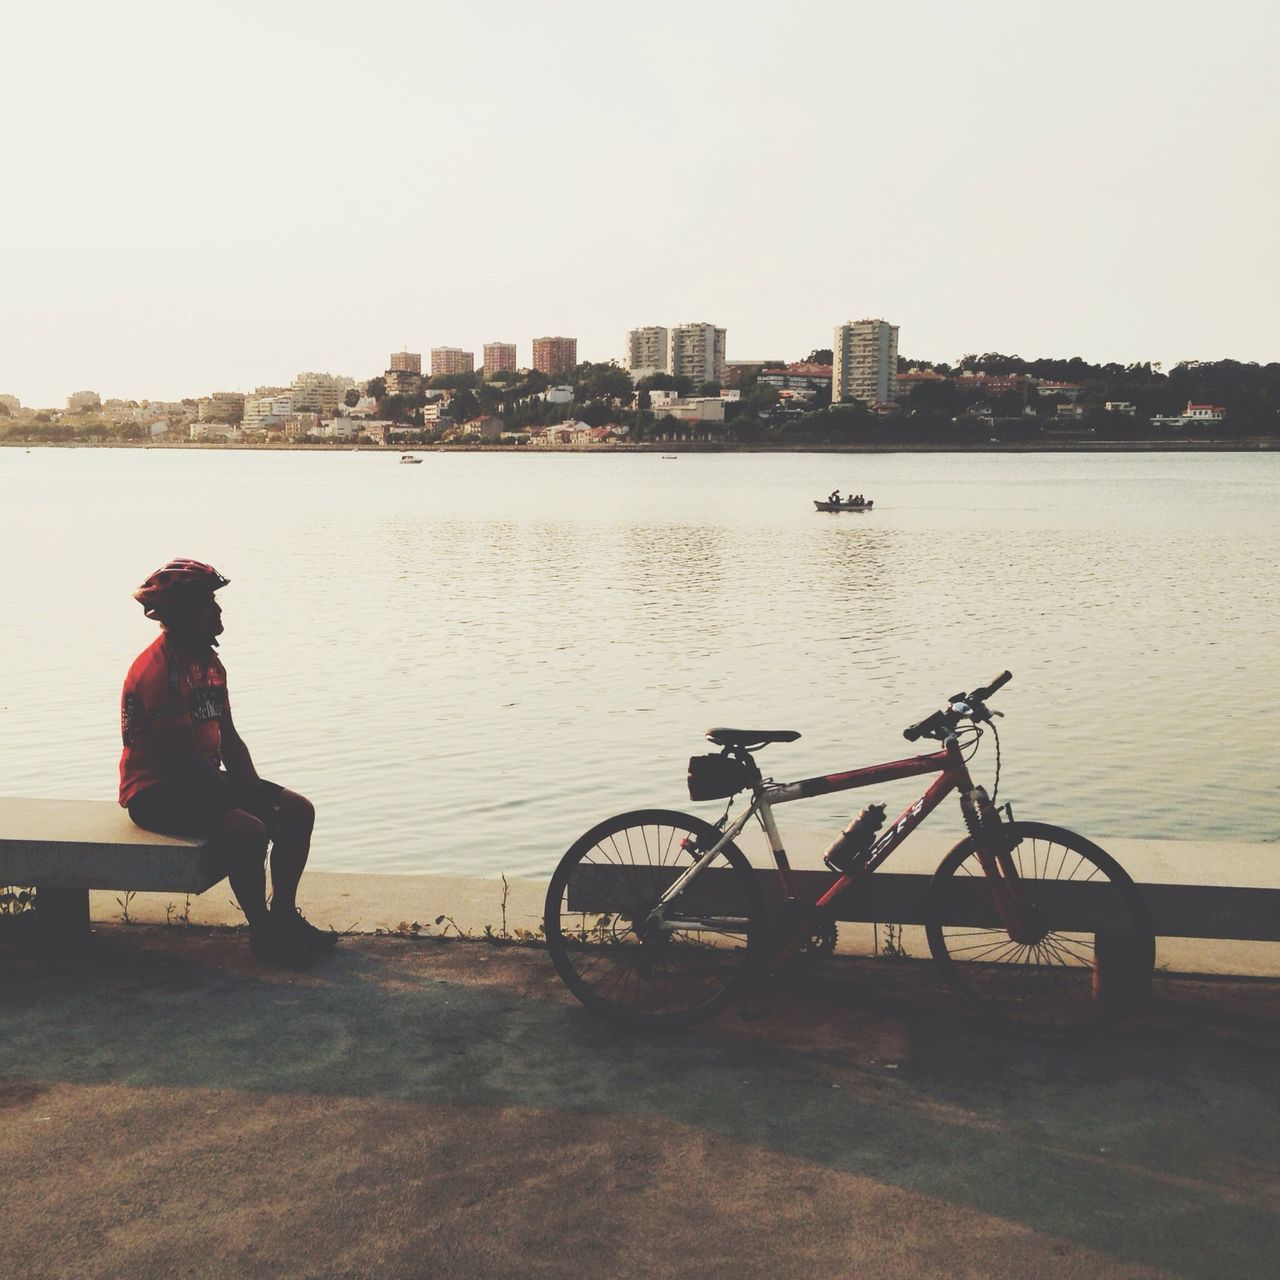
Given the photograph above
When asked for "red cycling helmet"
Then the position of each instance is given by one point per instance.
(177, 581)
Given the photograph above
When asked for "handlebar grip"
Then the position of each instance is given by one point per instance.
(981, 695)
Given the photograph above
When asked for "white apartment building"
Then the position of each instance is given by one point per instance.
(262, 412)
(865, 364)
(319, 393)
(648, 350)
(696, 351)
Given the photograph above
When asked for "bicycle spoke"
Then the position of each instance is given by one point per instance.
(1048, 985)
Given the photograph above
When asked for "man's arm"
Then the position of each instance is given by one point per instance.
(235, 755)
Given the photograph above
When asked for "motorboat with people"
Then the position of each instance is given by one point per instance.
(409, 457)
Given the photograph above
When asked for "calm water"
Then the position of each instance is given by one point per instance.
(467, 662)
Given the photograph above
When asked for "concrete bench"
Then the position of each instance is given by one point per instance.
(64, 848)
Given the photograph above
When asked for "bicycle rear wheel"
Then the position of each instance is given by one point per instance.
(619, 961)
(1089, 952)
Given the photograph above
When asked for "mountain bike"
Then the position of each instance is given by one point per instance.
(657, 917)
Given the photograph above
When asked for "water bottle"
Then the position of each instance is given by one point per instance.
(855, 839)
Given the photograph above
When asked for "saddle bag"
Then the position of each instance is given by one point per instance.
(717, 777)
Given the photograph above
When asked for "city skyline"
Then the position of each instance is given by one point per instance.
(995, 178)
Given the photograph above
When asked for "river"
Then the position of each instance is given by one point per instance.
(467, 662)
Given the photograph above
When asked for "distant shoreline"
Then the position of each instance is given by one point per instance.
(670, 447)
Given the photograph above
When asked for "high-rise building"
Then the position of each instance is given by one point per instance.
(647, 349)
(452, 360)
(406, 362)
(865, 364)
(499, 357)
(554, 356)
(697, 353)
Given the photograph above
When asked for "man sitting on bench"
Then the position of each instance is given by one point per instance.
(185, 770)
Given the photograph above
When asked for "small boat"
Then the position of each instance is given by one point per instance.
(823, 505)
(408, 457)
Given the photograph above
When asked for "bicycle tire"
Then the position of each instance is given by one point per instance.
(1070, 982)
(601, 895)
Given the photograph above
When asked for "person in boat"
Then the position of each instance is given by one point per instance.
(834, 496)
(184, 770)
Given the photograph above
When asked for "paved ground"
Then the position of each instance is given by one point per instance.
(445, 1109)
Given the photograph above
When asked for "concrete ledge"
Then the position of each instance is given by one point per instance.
(1223, 890)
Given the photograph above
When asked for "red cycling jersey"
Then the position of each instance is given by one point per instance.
(169, 689)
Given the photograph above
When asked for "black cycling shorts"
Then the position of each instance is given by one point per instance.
(193, 804)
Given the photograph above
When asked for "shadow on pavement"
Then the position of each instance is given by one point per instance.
(479, 1118)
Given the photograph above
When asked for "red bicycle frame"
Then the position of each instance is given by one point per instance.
(953, 775)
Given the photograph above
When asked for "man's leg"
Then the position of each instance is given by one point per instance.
(291, 827)
(242, 839)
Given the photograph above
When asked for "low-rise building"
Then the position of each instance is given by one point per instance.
(365, 407)
(340, 429)
(801, 376)
(1194, 415)
(1127, 407)
(403, 382)
(221, 406)
(1063, 390)
(695, 409)
(84, 402)
(297, 426)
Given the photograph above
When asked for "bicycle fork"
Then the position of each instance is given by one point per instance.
(995, 857)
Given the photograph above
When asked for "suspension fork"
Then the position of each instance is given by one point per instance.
(995, 857)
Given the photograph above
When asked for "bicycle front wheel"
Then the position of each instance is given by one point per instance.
(1086, 950)
(623, 957)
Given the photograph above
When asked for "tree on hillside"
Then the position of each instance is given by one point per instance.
(453, 381)
(464, 406)
(351, 399)
(820, 355)
(377, 387)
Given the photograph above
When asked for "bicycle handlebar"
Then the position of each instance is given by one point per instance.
(942, 722)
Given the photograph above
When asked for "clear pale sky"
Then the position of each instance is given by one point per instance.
(215, 197)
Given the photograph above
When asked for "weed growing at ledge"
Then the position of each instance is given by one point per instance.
(14, 901)
(443, 924)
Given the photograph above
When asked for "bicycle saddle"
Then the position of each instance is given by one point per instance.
(750, 737)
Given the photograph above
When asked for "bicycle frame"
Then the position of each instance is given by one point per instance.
(953, 775)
